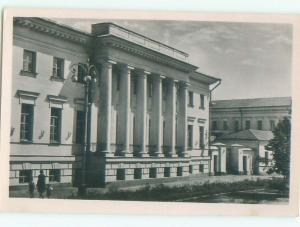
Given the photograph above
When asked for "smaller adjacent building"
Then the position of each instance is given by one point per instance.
(229, 116)
(246, 153)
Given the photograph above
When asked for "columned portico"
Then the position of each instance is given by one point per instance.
(125, 79)
(182, 117)
(171, 117)
(141, 112)
(104, 127)
(157, 114)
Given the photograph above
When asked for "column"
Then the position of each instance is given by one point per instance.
(141, 111)
(171, 115)
(157, 114)
(124, 133)
(182, 126)
(104, 127)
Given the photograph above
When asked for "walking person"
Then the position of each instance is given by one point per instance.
(41, 184)
(31, 187)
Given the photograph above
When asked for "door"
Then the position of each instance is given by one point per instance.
(245, 165)
(215, 164)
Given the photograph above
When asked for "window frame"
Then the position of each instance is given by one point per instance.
(190, 137)
(246, 124)
(225, 125)
(80, 127)
(30, 114)
(259, 125)
(202, 102)
(55, 130)
(55, 176)
(191, 99)
(58, 68)
(26, 69)
(201, 137)
(26, 177)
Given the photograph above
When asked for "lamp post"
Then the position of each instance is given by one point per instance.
(86, 74)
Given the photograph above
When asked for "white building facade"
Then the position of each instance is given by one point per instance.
(150, 107)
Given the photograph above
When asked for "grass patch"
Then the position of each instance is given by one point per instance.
(166, 193)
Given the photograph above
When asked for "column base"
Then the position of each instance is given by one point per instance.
(127, 154)
(159, 154)
(143, 154)
(173, 155)
(106, 154)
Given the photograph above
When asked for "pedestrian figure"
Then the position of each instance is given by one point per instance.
(31, 187)
(49, 190)
(41, 184)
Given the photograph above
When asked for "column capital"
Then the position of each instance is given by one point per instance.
(108, 63)
(184, 84)
(127, 67)
(142, 73)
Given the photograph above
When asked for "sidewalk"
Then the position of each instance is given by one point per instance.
(67, 191)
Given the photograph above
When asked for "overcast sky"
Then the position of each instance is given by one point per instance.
(253, 60)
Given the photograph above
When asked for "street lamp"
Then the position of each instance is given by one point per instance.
(88, 78)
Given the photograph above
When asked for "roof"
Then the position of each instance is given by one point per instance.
(249, 134)
(257, 102)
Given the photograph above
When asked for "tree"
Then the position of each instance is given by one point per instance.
(280, 145)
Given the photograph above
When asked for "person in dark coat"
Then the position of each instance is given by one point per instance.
(41, 184)
(31, 187)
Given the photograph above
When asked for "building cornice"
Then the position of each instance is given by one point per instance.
(142, 51)
(52, 29)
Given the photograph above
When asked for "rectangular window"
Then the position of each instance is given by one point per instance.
(80, 73)
(120, 174)
(202, 101)
(248, 124)
(54, 175)
(201, 168)
(26, 127)
(152, 173)
(190, 136)
(259, 125)
(266, 157)
(138, 173)
(25, 176)
(29, 61)
(214, 125)
(190, 169)
(167, 172)
(225, 125)
(58, 68)
(55, 125)
(236, 126)
(272, 125)
(201, 139)
(80, 127)
(191, 98)
(179, 171)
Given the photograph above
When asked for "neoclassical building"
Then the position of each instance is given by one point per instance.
(150, 110)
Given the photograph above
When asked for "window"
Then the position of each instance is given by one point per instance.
(201, 139)
(266, 157)
(201, 168)
(272, 125)
(167, 171)
(190, 169)
(191, 98)
(225, 125)
(152, 173)
(26, 127)
(259, 125)
(137, 173)
(190, 136)
(150, 89)
(55, 125)
(54, 175)
(80, 74)
(29, 61)
(248, 123)
(202, 102)
(214, 125)
(236, 126)
(25, 176)
(80, 127)
(179, 171)
(58, 68)
(120, 174)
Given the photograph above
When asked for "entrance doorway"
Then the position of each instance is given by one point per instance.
(245, 165)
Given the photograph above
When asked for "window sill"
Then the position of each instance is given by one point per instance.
(59, 79)
(26, 141)
(30, 74)
(54, 144)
